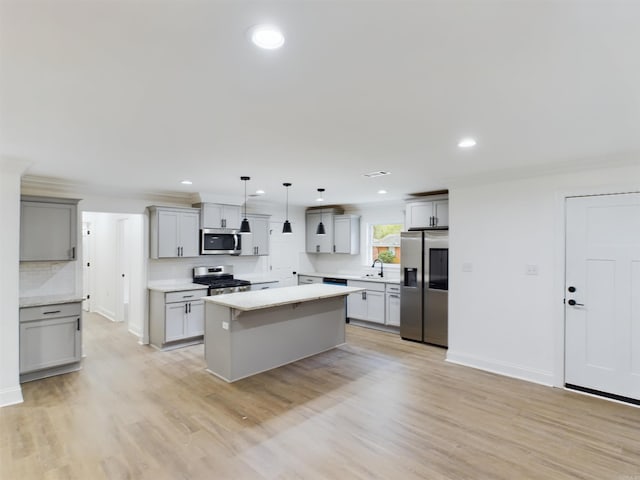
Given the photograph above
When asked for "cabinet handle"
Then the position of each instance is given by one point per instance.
(334, 249)
(364, 295)
(73, 253)
(186, 309)
(435, 221)
(189, 307)
(51, 312)
(317, 248)
(187, 296)
(78, 324)
(178, 254)
(394, 296)
(224, 222)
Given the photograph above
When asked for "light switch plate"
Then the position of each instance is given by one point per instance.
(225, 325)
(532, 270)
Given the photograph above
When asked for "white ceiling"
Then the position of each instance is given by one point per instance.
(141, 94)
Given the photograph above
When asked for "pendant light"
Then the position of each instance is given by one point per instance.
(286, 227)
(320, 230)
(244, 226)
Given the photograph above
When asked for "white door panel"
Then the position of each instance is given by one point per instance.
(603, 264)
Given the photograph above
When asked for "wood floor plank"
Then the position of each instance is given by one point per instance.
(377, 408)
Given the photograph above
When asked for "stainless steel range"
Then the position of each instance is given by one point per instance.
(219, 279)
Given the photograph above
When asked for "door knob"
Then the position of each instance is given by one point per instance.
(572, 289)
(573, 303)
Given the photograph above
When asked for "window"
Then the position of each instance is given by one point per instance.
(384, 240)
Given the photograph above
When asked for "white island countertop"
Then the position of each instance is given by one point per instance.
(256, 300)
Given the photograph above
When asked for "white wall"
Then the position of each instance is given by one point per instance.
(501, 319)
(10, 172)
(392, 212)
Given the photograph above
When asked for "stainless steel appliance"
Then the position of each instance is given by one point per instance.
(219, 279)
(424, 285)
(220, 241)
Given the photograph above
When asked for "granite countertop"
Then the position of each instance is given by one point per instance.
(354, 276)
(49, 300)
(177, 286)
(259, 299)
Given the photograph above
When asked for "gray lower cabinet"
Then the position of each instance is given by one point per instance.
(307, 279)
(176, 318)
(368, 305)
(393, 305)
(50, 340)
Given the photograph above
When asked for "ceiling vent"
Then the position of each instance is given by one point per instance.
(376, 174)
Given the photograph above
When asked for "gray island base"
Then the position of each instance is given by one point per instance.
(252, 332)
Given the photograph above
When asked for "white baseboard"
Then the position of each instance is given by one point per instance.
(11, 396)
(105, 313)
(501, 368)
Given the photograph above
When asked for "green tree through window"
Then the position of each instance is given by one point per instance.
(385, 242)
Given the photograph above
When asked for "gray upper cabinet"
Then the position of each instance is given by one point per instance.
(319, 243)
(48, 229)
(427, 213)
(175, 232)
(346, 232)
(256, 243)
(218, 215)
(342, 232)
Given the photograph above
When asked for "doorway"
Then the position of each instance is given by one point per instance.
(117, 276)
(602, 295)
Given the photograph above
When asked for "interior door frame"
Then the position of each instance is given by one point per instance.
(560, 276)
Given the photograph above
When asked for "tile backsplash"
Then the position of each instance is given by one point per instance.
(47, 278)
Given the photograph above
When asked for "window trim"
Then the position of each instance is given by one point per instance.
(369, 245)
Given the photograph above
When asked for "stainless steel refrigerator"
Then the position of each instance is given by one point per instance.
(424, 285)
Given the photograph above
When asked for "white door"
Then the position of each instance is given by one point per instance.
(122, 271)
(602, 311)
(282, 263)
(86, 266)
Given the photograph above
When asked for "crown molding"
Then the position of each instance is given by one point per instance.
(51, 186)
(617, 160)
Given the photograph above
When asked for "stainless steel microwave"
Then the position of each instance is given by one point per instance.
(220, 241)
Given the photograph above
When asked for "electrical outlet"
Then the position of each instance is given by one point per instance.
(532, 270)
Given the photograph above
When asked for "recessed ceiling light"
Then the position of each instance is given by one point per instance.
(467, 143)
(268, 37)
(259, 192)
(186, 182)
(382, 192)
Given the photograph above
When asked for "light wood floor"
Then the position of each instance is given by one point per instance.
(379, 408)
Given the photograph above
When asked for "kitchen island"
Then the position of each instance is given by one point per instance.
(251, 332)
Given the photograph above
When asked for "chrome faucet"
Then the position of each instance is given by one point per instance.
(381, 266)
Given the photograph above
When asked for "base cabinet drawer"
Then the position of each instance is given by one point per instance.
(49, 343)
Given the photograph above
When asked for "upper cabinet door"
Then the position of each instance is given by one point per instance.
(319, 243)
(256, 243)
(231, 215)
(189, 234)
(346, 234)
(441, 213)
(48, 231)
(168, 233)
